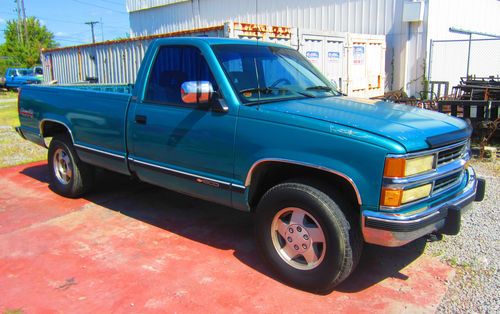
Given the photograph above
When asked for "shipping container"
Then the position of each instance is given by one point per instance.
(326, 50)
(110, 62)
(117, 62)
(365, 65)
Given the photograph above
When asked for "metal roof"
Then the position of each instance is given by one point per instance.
(141, 38)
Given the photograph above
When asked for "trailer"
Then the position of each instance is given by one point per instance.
(355, 63)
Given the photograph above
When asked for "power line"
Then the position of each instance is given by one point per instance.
(63, 21)
(98, 6)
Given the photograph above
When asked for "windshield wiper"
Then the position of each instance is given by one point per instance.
(263, 90)
(268, 90)
(321, 88)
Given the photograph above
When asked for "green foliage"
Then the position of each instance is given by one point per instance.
(21, 52)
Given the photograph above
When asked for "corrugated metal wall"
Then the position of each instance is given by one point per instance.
(134, 5)
(361, 16)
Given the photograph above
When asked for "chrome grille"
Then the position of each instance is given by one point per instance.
(450, 154)
(445, 183)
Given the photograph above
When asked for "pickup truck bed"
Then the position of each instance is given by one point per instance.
(98, 124)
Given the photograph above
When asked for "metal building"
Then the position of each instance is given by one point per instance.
(408, 25)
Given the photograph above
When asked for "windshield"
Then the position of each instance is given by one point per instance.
(23, 72)
(267, 73)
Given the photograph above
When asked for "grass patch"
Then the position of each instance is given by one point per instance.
(8, 113)
(13, 149)
(6, 95)
(13, 311)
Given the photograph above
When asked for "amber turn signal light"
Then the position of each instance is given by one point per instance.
(391, 197)
(395, 167)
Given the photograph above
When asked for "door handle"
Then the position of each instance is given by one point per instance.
(141, 119)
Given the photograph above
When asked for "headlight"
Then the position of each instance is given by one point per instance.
(398, 197)
(402, 167)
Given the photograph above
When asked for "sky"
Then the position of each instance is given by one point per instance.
(66, 18)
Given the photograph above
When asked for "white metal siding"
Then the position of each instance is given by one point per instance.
(361, 16)
(478, 15)
(134, 5)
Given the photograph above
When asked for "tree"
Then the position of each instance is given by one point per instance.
(26, 52)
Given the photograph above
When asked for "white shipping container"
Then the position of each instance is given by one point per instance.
(327, 52)
(365, 65)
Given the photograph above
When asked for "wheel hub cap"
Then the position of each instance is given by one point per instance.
(63, 168)
(298, 238)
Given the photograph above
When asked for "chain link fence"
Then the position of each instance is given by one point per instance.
(449, 60)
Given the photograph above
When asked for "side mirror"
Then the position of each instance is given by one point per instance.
(196, 92)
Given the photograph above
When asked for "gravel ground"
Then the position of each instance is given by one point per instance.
(14, 150)
(475, 252)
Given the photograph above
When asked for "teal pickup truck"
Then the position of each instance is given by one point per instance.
(256, 127)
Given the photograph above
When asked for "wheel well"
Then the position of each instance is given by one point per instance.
(52, 128)
(271, 173)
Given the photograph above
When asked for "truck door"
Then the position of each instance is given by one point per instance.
(9, 77)
(183, 147)
(17, 79)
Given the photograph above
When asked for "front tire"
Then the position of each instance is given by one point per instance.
(304, 235)
(69, 176)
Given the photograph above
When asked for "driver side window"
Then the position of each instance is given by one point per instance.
(173, 66)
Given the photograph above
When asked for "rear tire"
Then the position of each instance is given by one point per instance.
(305, 236)
(69, 176)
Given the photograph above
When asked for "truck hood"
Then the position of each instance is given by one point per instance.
(412, 127)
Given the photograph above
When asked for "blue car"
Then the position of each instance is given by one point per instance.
(17, 77)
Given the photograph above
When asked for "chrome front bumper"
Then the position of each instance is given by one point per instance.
(393, 229)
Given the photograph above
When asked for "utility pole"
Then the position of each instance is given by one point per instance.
(19, 37)
(23, 11)
(102, 30)
(92, 23)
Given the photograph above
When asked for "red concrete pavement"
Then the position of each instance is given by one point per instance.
(131, 247)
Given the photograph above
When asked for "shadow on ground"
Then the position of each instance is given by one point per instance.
(223, 228)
